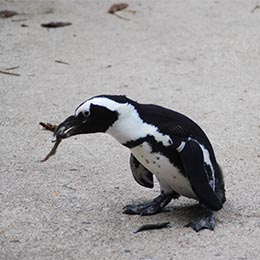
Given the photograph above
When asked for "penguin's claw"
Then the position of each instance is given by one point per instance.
(205, 221)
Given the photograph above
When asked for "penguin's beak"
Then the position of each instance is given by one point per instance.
(69, 127)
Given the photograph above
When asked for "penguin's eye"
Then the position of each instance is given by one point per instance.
(85, 113)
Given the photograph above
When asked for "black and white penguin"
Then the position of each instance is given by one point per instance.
(163, 143)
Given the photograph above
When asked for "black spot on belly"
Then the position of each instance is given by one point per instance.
(147, 161)
(157, 148)
(154, 162)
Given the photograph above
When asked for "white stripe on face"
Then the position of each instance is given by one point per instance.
(101, 101)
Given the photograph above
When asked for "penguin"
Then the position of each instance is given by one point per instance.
(163, 144)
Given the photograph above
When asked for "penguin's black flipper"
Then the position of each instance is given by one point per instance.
(140, 173)
(193, 161)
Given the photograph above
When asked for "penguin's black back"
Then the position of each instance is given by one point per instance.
(172, 123)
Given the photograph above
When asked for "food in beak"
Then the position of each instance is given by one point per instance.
(52, 128)
(48, 126)
(53, 150)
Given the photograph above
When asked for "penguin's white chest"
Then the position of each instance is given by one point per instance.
(169, 177)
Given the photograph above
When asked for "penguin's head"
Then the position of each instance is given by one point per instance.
(97, 114)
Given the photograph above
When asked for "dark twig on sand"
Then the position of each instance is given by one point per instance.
(9, 73)
(257, 6)
(19, 20)
(13, 68)
(118, 7)
(63, 62)
(55, 24)
(121, 17)
(68, 187)
(152, 226)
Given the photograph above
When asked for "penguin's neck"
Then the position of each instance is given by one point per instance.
(131, 127)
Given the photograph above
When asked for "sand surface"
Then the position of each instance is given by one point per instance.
(201, 58)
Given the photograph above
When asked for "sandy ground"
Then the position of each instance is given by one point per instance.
(201, 58)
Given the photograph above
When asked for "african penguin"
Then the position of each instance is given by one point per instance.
(163, 143)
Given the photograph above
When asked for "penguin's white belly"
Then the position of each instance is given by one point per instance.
(167, 175)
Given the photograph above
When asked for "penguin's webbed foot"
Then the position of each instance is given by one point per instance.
(205, 221)
(148, 208)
